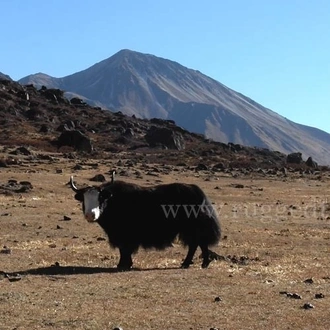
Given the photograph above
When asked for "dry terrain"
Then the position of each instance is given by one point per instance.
(58, 272)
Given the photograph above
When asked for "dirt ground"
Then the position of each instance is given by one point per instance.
(58, 272)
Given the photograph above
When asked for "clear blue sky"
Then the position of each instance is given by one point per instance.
(275, 51)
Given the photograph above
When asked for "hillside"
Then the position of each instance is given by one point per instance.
(4, 76)
(148, 86)
(38, 118)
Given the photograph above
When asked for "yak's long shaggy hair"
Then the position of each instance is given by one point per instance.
(152, 217)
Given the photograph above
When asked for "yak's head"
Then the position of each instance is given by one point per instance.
(93, 199)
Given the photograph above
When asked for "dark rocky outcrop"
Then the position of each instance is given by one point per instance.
(294, 158)
(75, 139)
(311, 163)
(165, 137)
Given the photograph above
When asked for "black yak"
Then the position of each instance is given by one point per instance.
(151, 217)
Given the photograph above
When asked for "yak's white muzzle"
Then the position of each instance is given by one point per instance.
(93, 215)
(91, 205)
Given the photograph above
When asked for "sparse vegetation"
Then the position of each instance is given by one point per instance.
(60, 274)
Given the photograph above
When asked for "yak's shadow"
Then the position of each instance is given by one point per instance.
(74, 270)
(57, 269)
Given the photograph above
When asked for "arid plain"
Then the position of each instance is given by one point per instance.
(58, 272)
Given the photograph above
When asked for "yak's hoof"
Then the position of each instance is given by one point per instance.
(123, 268)
(206, 263)
(186, 265)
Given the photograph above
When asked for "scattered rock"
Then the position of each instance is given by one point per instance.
(319, 295)
(291, 295)
(238, 185)
(16, 187)
(21, 151)
(201, 167)
(5, 250)
(308, 306)
(13, 277)
(309, 281)
(98, 178)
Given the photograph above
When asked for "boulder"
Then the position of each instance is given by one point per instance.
(311, 163)
(75, 139)
(164, 137)
(294, 158)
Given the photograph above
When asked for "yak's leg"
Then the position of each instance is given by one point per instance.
(205, 255)
(125, 262)
(191, 251)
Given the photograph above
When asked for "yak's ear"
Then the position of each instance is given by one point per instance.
(79, 196)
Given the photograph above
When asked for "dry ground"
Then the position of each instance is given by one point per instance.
(276, 234)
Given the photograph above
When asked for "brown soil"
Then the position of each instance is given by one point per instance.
(60, 274)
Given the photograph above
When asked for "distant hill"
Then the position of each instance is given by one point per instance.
(148, 86)
(4, 76)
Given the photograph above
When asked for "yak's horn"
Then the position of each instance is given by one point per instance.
(72, 185)
(113, 176)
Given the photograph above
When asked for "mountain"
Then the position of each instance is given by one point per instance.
(43, 120)
(148, 86)
(4, 76)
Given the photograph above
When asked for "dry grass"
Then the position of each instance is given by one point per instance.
(280, 226)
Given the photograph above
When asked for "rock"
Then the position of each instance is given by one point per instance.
(164, 137)
(293, 295)
(129, 132)
(13, 277)
(21, 151)
(201, 167)
(44, 128)
(77, 101)
(219, 167)
(5, 250)
(238, 185)
(311, 163)
(294, 158)
(75, 139)
(309, 281)
(98, 178)
(319, 295)
(308, 306)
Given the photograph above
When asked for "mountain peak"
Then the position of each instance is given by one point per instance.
(148, 86)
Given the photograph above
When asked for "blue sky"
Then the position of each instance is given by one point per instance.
(276, 52)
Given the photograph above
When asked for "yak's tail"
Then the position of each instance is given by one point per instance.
(205, 228)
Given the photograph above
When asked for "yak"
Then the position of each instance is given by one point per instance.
(134, 216)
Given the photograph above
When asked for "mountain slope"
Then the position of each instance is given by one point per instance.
(148, 86)
(4, 76)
